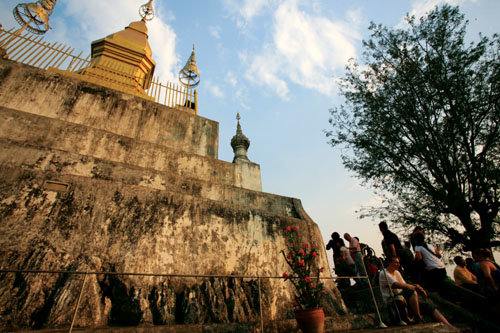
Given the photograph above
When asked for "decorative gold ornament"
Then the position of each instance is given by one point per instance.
(189, 76)
(34, 16)
(147, 12)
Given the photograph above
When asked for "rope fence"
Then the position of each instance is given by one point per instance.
(259, 278)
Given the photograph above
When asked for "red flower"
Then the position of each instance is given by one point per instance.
(286, 276)
(323, 291)
(311, 285)
(306, 246)
(313, 245)
(307, 279)
(295, 228)
(301, 252)
(314, 254)
(302, 263)
(288, 228)
(288, 256)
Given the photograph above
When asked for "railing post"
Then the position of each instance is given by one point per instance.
(78, 302)
(380, 322)
(196, 101)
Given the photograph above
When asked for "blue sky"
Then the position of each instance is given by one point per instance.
(276, 62)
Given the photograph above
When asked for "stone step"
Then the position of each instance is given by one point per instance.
(43, 132)
(58, 164)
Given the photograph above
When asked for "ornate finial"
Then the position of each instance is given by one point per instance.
(189, 76)
(240, 143)
(34, 16)
(147, 12)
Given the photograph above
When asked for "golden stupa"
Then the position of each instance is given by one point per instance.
(123, 60)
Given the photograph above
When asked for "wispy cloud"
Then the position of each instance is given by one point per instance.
(307, 49)
(215, 31)
(246, 10)
(215, 90)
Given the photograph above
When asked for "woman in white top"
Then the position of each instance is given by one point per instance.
(435, 272)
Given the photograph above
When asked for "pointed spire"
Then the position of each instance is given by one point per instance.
(189, 75)
(147, 12)
(240, 143)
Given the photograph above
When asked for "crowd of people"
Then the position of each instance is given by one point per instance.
(418, 262)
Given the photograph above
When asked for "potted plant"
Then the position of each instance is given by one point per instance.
(301, 258)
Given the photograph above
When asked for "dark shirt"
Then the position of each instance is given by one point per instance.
(332, 244)
(391, 238)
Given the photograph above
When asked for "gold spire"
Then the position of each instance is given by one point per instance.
(189, 75)
(123, 60)
(146, 11)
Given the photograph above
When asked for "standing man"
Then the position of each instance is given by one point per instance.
(355, 251)
(393, 248)
(392, 243)
(333, 245)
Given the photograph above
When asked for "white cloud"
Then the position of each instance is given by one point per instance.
(215, 31)
(215, 90)
(245, 10)
(231, 78)
(307, 49)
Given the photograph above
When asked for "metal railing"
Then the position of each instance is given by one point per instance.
(85, 274)
(33, 51)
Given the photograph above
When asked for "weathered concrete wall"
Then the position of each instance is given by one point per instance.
(247, 175)
(39, 131)
(102, 225)
(28, 89)
(134, 189)
(14, 154)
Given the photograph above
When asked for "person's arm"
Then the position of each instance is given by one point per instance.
(438, 254)
(474, 278)
(486, 269)
(404, 285)
(418, 255)
(329, 245)
(392, 249)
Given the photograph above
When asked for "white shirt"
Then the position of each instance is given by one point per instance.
(391, 278)
(431, 261)
(345, 253)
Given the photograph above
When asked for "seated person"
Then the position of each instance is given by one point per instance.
(463, 277)
(489, 272)
(407, 293)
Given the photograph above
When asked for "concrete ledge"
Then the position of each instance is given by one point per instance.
(56, 96)
(38, 131)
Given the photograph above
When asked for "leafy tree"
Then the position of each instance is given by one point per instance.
(421, 124)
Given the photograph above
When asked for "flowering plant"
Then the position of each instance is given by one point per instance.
(301, 259)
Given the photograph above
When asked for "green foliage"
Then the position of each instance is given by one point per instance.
(301, 259)
(421, 121)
